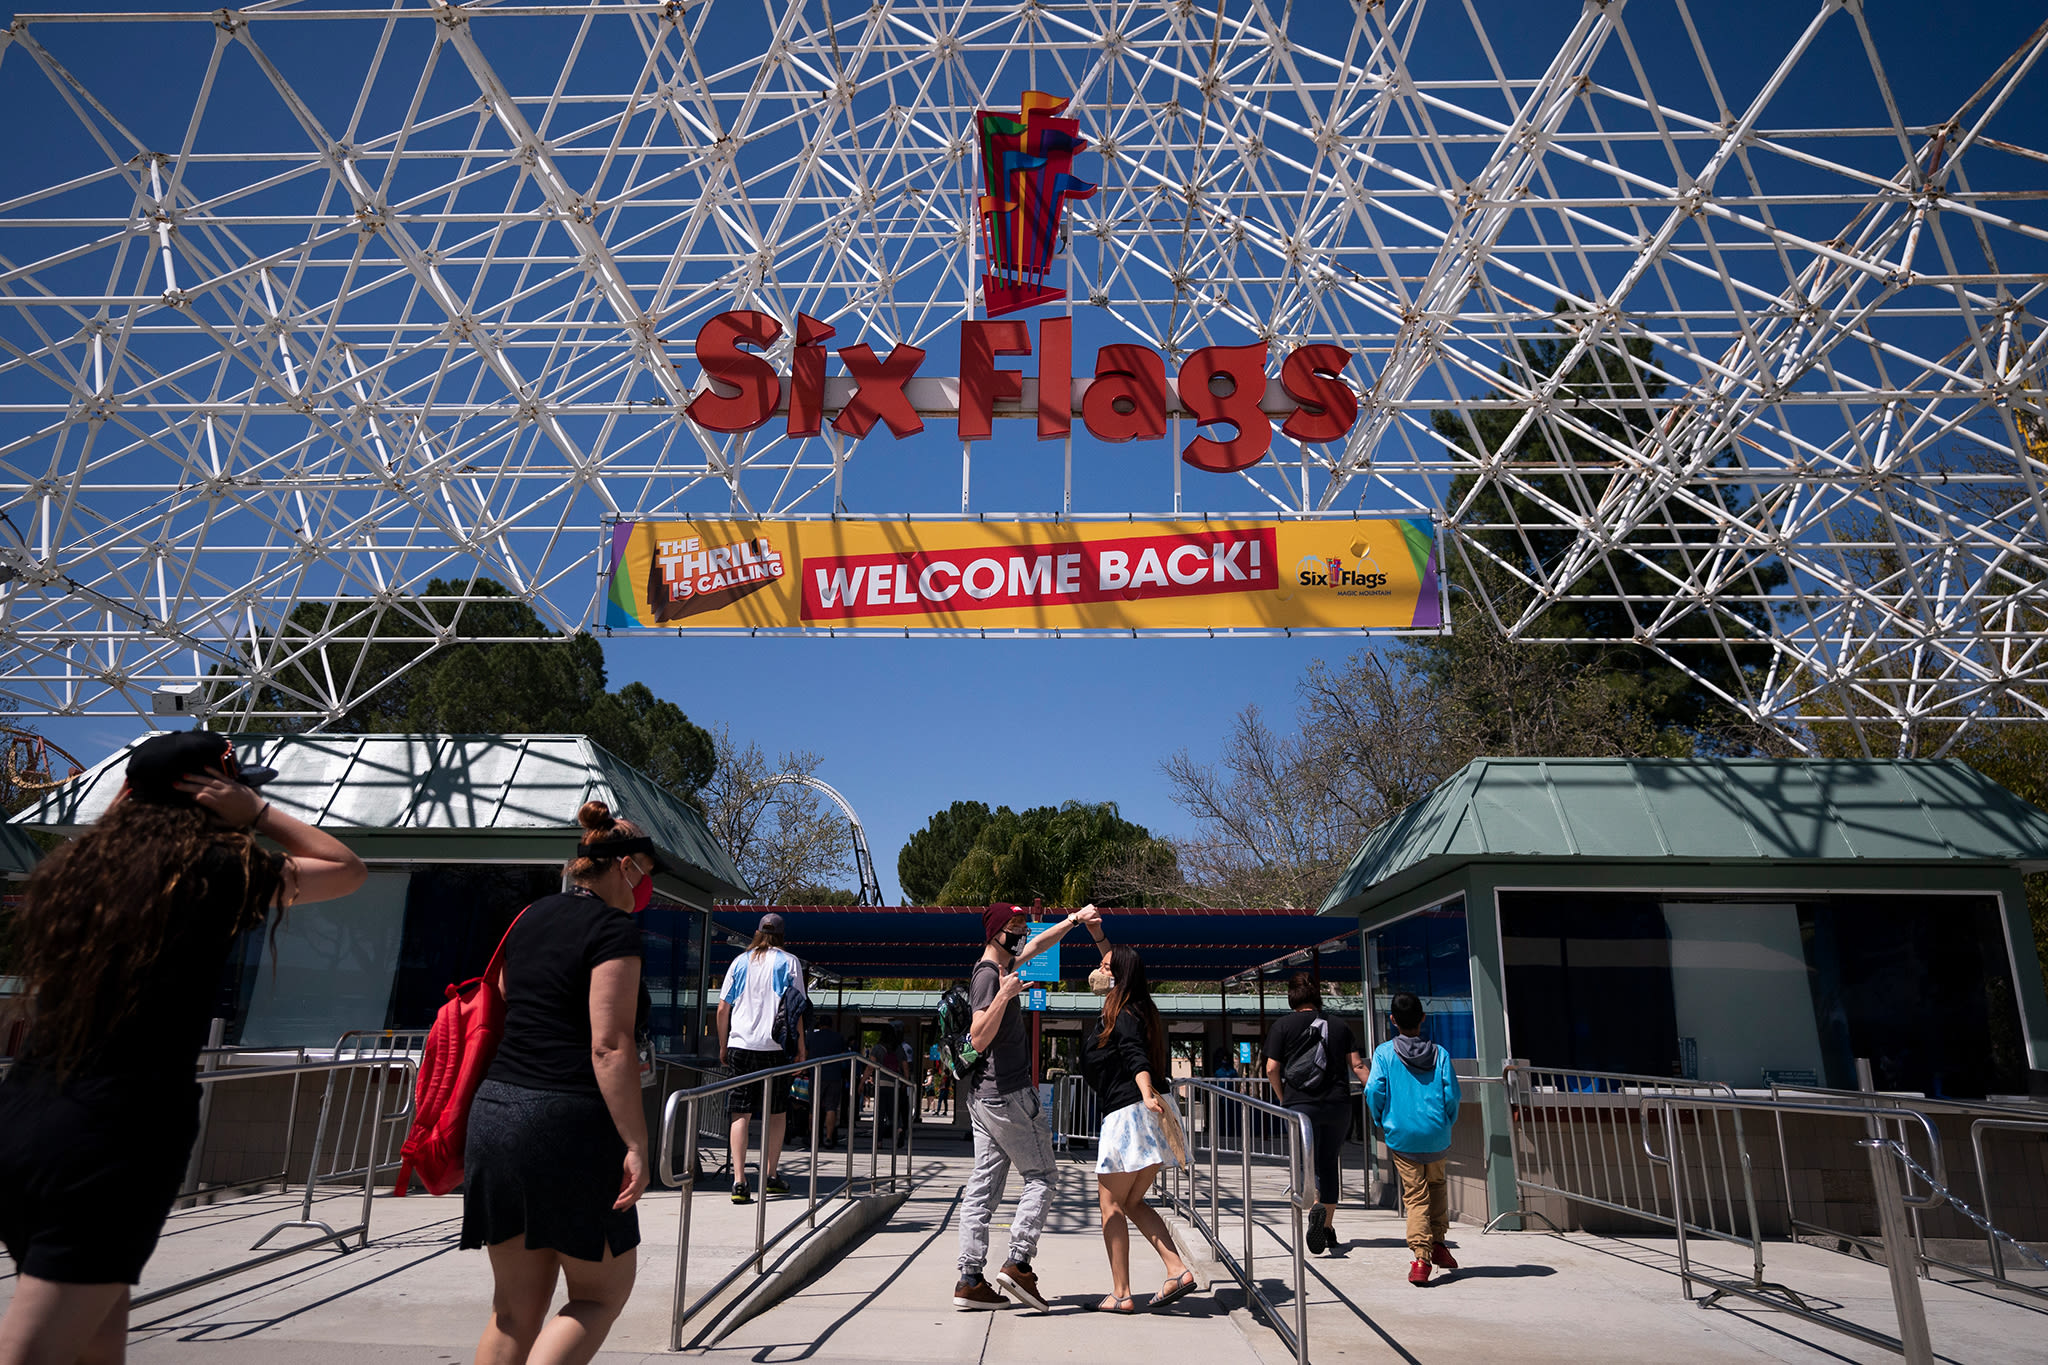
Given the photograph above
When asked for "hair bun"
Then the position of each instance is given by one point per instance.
(596, 817)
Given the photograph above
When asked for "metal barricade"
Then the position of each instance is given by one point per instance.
(1076, 1114)
(686, 1104)
(1986, 1117)
(345, 1143)
(1577, 1136)
(1216, 1099)
(1888, 1161)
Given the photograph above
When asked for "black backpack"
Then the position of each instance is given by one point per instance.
(1307, 1067)
(955, 1018)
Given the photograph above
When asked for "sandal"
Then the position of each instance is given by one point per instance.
(1180, 1287)
(1110, 1303)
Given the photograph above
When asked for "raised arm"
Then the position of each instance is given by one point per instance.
(321, 866)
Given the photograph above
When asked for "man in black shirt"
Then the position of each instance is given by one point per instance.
(822, 1040)
(1323, 1094)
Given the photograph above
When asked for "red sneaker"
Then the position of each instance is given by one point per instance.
(1440, 1256)
(1418, 1273)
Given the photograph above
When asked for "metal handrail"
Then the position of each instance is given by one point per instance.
(685, 1102)
(1991, 1233)
(373, 1120)
(1300, 1197)
(1901, 1262)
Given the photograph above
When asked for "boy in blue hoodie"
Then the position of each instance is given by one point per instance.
(1413, 1095)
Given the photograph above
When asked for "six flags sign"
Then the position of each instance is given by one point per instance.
(852, 574)
(1027, 162)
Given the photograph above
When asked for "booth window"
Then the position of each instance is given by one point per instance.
(1426, 953)
(455, 913)
(1751, 991)
(330, 972)
(673, 936)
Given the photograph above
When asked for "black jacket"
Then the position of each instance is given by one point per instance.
(1112, 1068)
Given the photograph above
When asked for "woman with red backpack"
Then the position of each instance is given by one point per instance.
(122, 934)
(557, 1144)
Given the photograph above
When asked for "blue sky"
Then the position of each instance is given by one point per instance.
(906, 727)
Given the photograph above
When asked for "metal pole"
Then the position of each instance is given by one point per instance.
(1246, 1161)
(1677, 1208)
(319, 1145)
(1900, 1263)
(377, 1083)
(817, 1103)
(909, 1150)
(675, 1317)
(852, 1118)
(1215, 1201)
(291, 1125)
(1301, 1180)
(875, 1133)
(761, 1207)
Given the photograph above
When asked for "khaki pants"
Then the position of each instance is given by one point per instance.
(1427, 1199)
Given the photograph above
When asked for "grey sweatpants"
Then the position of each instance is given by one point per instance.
(1007, 1130)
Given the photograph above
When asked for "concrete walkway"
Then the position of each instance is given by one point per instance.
(411, 1297)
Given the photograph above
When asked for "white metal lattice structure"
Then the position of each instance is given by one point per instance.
(303, 303)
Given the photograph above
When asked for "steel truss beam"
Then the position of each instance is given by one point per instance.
(338, 301)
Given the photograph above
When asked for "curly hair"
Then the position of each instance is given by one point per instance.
(97, 913)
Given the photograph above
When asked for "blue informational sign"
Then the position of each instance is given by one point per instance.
(1044, 967)
(1244, 1054)
(1034, 999)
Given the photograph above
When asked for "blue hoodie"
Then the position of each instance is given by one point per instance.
(1413, 1095)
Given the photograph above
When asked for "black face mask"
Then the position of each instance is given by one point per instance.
(1011, 943)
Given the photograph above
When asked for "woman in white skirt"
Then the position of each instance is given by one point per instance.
(1121, 1061)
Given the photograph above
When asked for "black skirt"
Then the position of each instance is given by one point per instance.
(545, 1164)
(89, 1172)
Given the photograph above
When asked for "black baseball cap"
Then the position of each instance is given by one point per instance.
(159, 762)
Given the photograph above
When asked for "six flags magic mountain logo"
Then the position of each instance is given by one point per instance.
(1360, 574)
(1027, 161)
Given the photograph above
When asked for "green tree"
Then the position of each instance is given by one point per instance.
(1052, 853)
(820, 895)
(929, 856)
(555, 685)
(1512, 532)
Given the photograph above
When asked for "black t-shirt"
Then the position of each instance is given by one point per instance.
(154, 1045)
(1112, 1068)
(1336, 1086)
(1007, 1064)
(548, 959)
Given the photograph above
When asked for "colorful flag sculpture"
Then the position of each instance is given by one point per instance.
(1027, 161)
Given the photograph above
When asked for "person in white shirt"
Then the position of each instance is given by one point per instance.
(764, 989)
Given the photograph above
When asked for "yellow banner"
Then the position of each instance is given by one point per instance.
(1147, 575)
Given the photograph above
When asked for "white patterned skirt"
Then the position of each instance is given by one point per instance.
(1131, 1140)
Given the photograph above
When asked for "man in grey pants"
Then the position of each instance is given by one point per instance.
(1002, 1102)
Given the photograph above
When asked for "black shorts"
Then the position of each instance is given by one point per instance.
(86, 1182)
(747, 1098)
(545, 1165)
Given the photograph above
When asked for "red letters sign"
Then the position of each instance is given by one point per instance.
(1223, 389)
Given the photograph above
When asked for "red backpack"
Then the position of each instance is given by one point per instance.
(457, 1055)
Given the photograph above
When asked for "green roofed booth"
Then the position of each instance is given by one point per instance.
(460, 833)
(1741, 921)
